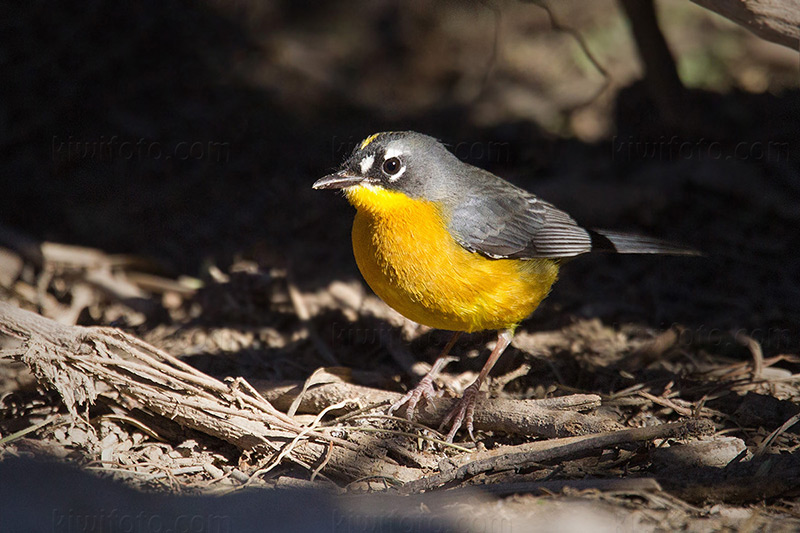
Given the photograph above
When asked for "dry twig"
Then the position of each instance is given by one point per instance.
(82, 363)
(551, 417)
(515, 457)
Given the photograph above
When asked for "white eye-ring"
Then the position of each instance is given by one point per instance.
(393, 167)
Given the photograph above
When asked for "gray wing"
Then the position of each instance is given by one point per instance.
(499, 220)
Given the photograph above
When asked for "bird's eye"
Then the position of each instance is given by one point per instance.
(392, 166)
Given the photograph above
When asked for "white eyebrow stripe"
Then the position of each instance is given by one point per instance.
(392, 152)
(366, 163)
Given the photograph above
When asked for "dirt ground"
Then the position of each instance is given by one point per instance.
(157, 163)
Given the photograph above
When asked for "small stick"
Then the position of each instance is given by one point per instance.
(755, 350)
(555, 450)
(665, 402)
(767, 442)
(550, 417)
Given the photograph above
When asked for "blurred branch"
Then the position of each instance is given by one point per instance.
(575, 34)
(661, 75)
(777, 21)
(495, 43)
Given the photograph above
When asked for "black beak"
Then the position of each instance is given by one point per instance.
(338, 180)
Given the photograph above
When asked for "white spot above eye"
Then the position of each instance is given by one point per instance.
(392, 152)
(366, 164)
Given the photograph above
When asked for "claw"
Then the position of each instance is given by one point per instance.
(465, 408)
(463, 411)
(425, 389)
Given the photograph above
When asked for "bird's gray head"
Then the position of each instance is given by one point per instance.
(403, 161)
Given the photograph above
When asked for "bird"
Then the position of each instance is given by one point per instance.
(455, 247)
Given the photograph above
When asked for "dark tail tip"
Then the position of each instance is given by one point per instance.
(629, 243)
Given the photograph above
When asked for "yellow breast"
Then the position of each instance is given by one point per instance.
(409, 259)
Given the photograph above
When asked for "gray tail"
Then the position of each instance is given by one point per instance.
(629, 243)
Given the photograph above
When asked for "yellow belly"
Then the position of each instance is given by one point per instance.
(409, 259)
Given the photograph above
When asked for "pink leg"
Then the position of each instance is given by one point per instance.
(465, 407)
(425, 388)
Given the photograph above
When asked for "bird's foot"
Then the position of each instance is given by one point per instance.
(424, 389)
(462, 412)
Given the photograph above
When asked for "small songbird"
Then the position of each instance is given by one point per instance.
(454, 247)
